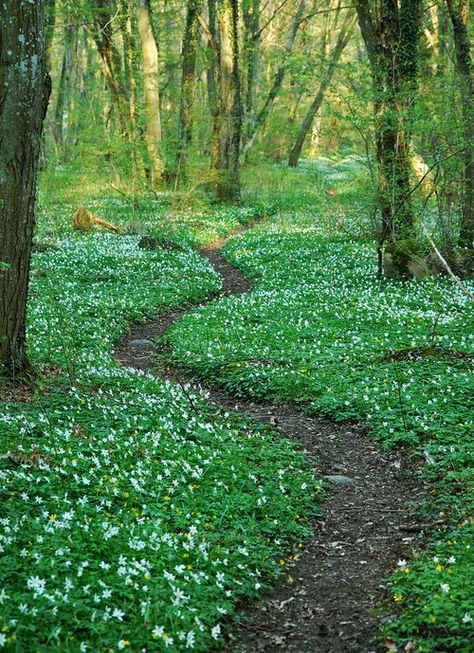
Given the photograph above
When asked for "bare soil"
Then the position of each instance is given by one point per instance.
(329, 600)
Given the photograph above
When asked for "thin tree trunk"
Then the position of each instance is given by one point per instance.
(50, 23)
(229, 115)
(130, 71)
(188, 82)
(111, 61)
(252, 38)
(25, 87)
(342, 40)
(152, 94)
(277, 81)
(464, 66)
(61, 113)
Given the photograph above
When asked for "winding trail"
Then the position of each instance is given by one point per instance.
(328, 601)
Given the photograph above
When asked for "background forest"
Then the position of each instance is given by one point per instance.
(153, 96)
(289, 186)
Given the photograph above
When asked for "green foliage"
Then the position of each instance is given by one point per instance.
(434, 593)
(318, 329)
(130, 518)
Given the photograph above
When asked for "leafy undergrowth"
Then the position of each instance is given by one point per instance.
(130, 518)
(194, 224)
(320, 328)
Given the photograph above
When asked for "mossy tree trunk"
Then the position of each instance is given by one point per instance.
(152, 94)
(464, 66)
(391, 33)
(228, 127)
(251, 59)
(188, 84)
(25, 87)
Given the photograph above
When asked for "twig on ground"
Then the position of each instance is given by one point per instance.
(445, 264)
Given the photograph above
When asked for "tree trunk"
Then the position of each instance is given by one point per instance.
(50, 23)
(25, 87)
(391, 35)
(130, 77)
(464, 66)
(188, 80)
(61, 114)
(212, 55)
(152, 94)
(277, 81)
(229, 115)
(252, 38)
(342, 40)
(103, 36)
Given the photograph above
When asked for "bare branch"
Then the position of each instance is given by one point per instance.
(445, 264)
(257, 35)
(207, 31)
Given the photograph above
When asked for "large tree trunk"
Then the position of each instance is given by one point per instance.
(464, 66)
(188, 80)
(212, 55)
(342, 40)
(152, 94)
(229, 115)
(262, 115)
(24, 92)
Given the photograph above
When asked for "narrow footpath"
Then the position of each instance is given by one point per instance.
(329, 600)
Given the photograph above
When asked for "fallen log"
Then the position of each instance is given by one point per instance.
(86, 221)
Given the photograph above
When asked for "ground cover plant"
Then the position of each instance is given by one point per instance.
(321, 328)
(131, 519)
(340, 138)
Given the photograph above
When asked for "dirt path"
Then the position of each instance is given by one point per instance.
(328, 601)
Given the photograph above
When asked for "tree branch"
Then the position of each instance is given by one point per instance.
(207, 31)
(453, 276)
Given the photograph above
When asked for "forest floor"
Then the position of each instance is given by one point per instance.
(329, 597)
(334, 435)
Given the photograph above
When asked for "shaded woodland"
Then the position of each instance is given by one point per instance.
(236, 326)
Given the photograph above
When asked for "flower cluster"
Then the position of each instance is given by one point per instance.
(131, 519)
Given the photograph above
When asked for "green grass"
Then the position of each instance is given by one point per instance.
(129, 519)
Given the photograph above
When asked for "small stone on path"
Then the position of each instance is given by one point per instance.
(338, 479)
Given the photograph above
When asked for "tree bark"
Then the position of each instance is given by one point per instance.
(111, 61)
(252, 38)
(228, 127)
(50, 23)
(391, 34)
(152, 94)
(342, 41)
(464, 66)
(25, 87)
(277, 81)
(61, 113)
(188, 80)
(212, 55)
